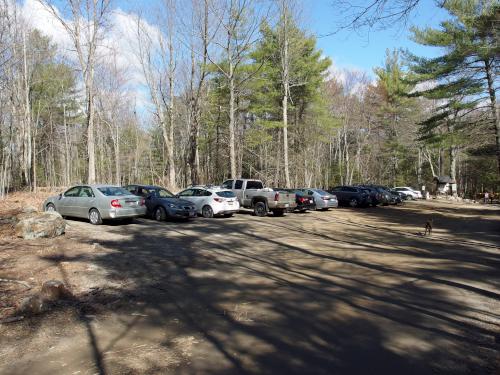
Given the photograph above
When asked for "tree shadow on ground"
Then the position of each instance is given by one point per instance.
(258, 302)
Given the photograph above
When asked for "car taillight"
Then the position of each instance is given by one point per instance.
(143, 202)
(219, 200)
(277, 196)
(301, 199)
(115, 203)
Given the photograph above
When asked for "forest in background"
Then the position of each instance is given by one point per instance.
(238, 88)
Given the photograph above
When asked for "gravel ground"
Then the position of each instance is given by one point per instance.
(343, 291)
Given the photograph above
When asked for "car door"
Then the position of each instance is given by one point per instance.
(66, 203)
(198, 198)
(149, 196)
(188, 195)
(239, 191)
(84, 201)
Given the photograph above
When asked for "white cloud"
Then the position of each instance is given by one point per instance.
(353, 79)
(119, 44)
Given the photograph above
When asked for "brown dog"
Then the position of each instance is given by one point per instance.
(428, 227)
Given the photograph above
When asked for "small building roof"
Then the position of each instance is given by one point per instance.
(444, 180)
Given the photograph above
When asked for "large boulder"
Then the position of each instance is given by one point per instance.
(40, 224)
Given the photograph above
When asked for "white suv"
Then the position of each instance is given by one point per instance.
(414, 194)
(210, 201)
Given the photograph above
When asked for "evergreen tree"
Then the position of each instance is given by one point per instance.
(464, 78)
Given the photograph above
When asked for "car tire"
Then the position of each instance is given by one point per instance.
(278, 212)
(325, 209)
(159, 214)
(228, 215)
(50, 208)
(207, 212)
(353, 202)
(260, 209)
(95, 217)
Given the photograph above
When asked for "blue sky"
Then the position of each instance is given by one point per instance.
(365, 49)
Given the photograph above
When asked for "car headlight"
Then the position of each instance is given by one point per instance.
(171, 205)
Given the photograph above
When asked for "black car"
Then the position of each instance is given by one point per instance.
(399, 197)
(352, 196)
(304, 201)
(162, 204)
(376, 196)
(402, 195)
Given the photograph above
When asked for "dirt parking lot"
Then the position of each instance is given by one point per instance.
(339, 292)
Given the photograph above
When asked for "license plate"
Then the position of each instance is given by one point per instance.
(192, 214)
(230, 202)
(286, 205)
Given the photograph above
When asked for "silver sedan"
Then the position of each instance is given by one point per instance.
(323, 199)
(97, 203)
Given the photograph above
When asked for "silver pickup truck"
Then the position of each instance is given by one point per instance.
(252, 194)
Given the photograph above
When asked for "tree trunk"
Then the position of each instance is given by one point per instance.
(171, 109)
(494, 110)
(286, 89)
(232, 152)
(90, 127)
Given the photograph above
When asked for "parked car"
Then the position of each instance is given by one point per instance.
(414, 194)
(303, 200)
(211, 201)
(401, 194)
(388, 197)
(162, 204)
(97, 203)
(322, 199)
(351, 196)
(252, 194)
(375, 195)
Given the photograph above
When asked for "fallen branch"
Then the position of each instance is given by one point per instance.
(24, 283)
(11, 319)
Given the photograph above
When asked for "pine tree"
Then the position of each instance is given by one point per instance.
(464, 77)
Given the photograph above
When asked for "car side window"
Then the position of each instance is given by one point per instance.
(238, 184)
(254, 185)
(186, 193)
(310, 192)
(205, 193)
(73, 192)
(86, 192)
(227, 184)
(131, 188)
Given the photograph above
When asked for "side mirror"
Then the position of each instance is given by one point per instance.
(149, 196)
(60, 195)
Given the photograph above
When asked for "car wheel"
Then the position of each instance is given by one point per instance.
(50, 208)
(207, 211)
(95, 217)
(325, 209)
(228, 215)
(353, 202)
(259, 209)
(160, 214)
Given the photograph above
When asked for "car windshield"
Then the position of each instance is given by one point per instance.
(321, 192)
(114, 191)
(225, 194)
(164, 193)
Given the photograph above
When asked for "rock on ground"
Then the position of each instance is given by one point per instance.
(54, 290)
(40, 224)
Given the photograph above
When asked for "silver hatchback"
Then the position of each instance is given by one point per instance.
(97, 203)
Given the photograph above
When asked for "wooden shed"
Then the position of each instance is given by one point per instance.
(445, 185)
